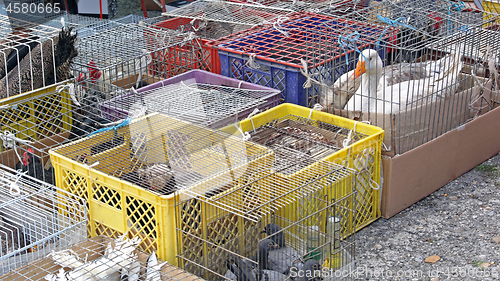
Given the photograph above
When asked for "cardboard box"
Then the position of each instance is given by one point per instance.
(422, 159)
(414, 175)
(130, 81)
(91, 249)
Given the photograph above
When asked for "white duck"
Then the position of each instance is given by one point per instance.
(346, 85)
(369, 63)
(380, 96)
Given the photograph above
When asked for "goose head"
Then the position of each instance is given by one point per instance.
(369, 65)
(369, 62)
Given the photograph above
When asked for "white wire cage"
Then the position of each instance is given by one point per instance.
(202, 104)
(270, 225)
(33, 124)
(99, 258)
(231, 17)
(418, 86)
(129, 54)
(32, 56)
(36, 218)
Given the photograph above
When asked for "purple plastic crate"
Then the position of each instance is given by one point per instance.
(265, 97)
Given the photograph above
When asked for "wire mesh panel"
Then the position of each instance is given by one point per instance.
(437, 76)
(202, 104)
(134, 170)
(298, 133)
(99, 258)
(285, 56)
(32, 56)
(227, 12)
(268, 226)
(34, 122)
(296, 6)
(125, 54)
(36, 218)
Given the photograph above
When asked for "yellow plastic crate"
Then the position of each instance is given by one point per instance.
(37, 114)
(491, 11)
(116, 206)
(363, 154)
(233, 221)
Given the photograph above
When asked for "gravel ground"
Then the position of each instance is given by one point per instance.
(460, 223)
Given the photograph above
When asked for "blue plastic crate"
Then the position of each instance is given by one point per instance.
(277, 60)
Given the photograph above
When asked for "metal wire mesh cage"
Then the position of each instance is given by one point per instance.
(435, 79)
(99, 258)
(298, 133)
(287, 55)
(294, 5)
(135, 170)
(202, 104)
(34, 122)
(227, 12)
(36, 218)
(123, 55)
(31, 56)
(267, 226)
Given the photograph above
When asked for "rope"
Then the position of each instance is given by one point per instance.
(71, 91)
(277, 24)
(9, 141)
(395, 23)
(90, 172)
(318, 107)
(457, 7)
(350, 41)
(255, 111)
(125, 122)
(349, 135)
(244, 136)
(304, 71)
(14, 187)
(251, 61)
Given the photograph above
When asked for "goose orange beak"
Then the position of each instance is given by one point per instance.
(360, 69)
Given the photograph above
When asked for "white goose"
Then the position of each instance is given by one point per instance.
(369, 63)
(393, 98)
(346, 85)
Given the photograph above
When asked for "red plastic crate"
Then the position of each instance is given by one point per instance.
(208, 58)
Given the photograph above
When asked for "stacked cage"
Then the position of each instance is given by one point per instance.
(206, 105)
(128, 174)
(212, 20)
(284, 55)
(34, 122)
(268, 227)
(99, 258)
(85, 26)
(436, 80)
(35, 219)
(301, 6)
(132, 54)
(295, 132)
(32, 56)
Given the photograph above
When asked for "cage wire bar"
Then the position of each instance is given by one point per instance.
(136, 169)
(99, 258)
(130, 54)
(202, 104)
(226, 12)
(437, 77)
(270, 220)
(85, 25)
(22, 48)
(296, 6)
(36, 218)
